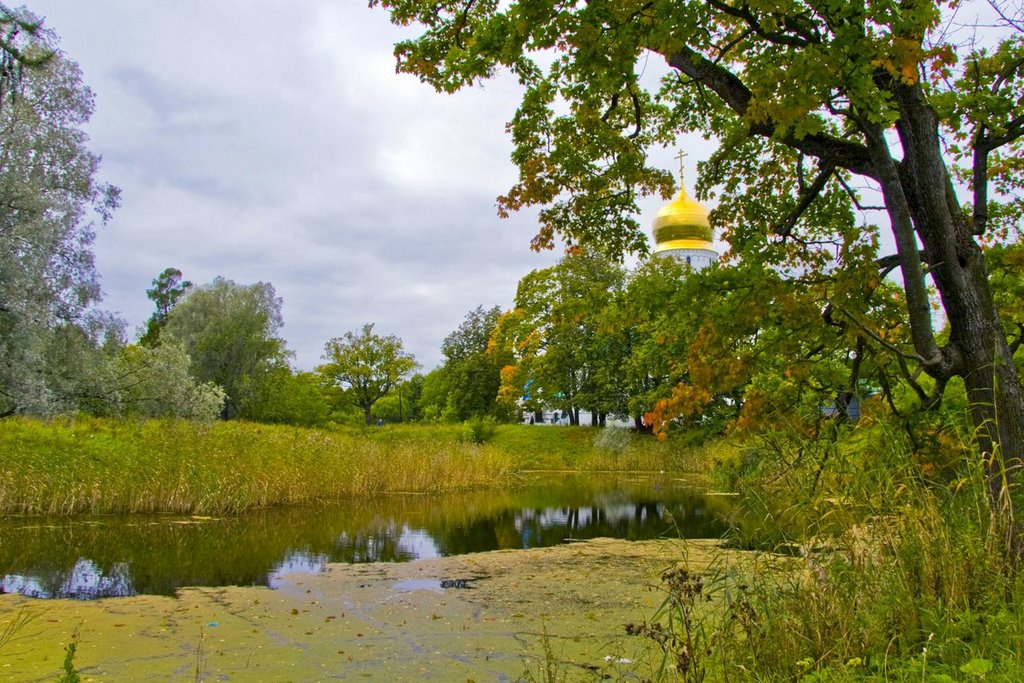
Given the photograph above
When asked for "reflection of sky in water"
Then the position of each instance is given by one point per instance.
(418, 543)
(123, 556)
(85, 581)
(409, 542)
(297, 563)
(586, 516)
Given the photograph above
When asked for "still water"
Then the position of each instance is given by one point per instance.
(109, 556)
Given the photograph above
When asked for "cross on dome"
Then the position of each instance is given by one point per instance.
(682, 167)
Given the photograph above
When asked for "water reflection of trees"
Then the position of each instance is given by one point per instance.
(123, 555)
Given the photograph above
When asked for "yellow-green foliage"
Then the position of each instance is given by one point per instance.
(88, 465)
(72, 466)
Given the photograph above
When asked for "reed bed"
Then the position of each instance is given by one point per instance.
(68, 467)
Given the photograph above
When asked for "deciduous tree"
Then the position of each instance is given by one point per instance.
(283, 396)
(810, 101)
(50, 203)
(472, 374)
(563, 355)
(156, 382)
(366, 365)
(230, 333)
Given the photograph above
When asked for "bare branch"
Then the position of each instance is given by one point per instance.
(887, 344)
(798, 38)
(852, 194)
(1016, 24)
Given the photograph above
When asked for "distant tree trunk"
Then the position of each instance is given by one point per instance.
(367, 414)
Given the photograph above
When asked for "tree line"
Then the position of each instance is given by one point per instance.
(785, 326)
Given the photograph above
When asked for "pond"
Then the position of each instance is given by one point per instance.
(111, 556)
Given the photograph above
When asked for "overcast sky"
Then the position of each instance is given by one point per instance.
(273, 141)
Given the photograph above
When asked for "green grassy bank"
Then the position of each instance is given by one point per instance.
(896, 568)
(83, 465)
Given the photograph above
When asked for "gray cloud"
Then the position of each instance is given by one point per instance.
(279, 145)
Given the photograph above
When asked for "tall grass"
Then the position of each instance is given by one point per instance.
(71, 466)
(897, 570)
(88, 465)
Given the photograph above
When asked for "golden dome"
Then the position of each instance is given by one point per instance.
(682, 224)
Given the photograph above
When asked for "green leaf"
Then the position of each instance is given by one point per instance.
(977, 667)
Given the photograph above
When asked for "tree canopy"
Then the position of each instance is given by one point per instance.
(167, 288)
(366, 365)
(565, 354)
(50, 203)
(817, 108)
(471, 373)
(230, 331)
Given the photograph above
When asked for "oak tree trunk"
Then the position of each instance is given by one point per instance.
(977, 350)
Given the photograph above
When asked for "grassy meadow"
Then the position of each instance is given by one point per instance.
(87, 465)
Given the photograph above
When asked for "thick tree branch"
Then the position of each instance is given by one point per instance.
(887, 264)
(983, 145)
(898, 206)
(829, 149)
(980, 182)
(1014, 131)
